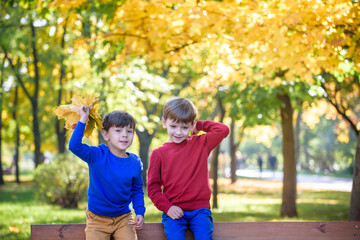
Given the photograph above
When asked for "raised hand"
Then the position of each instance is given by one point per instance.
(84, 113)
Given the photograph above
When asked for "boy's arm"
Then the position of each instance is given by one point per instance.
(215, 132)
(137, 193)
(75, 144)
(154, 184)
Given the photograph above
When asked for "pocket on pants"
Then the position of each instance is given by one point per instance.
(90, 215)
(130, 219)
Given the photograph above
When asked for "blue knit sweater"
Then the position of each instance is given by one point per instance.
(114, 182)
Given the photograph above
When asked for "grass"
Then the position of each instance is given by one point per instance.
(246, 200)
(19, 209)
(260, 200)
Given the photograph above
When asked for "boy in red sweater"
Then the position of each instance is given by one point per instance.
(178, 178)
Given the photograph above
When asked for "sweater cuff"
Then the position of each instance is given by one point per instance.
(81, 124)
(140, 211)
(167, 207)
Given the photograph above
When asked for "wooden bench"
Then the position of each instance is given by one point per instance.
(222, 231)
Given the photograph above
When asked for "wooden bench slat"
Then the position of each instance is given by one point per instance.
(222, 231)
(150, 231)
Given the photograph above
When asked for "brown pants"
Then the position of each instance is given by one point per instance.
(101, 227)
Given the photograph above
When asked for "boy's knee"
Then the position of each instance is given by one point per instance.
(202, 224)
(174, 229)
(174, 233)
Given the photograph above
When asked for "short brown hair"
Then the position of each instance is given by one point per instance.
(180, 110)
(118, 118)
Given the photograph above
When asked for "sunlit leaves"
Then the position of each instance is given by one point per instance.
(304, 36)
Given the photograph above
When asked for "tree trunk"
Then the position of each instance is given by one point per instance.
(305, 150)
(144, 140)
(2, 182)
(39, 158)
(288, 206)
(354, 212)
(59, 125)
(215, 164)
(215, 158)
(213, 116)
(103, 105)
(233, 149)
(60, 134)
(17, 133)
(17, 155)
(297, 135)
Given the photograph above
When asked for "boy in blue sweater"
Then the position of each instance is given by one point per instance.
(115, 178)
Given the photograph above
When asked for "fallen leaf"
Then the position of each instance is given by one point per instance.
(14, 229)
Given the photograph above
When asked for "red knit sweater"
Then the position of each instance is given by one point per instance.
(178, 173)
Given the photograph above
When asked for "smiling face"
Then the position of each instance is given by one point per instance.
(119, 139)
(177, 131)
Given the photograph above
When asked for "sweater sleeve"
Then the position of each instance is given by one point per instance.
(75, 144)
(154, 184)
(137, 193)
(215, 132)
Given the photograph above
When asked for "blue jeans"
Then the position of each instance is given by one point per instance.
(199, 221)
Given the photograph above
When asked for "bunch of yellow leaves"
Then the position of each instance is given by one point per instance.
(71, 114)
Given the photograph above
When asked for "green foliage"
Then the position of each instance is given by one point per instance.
(63, 181)
(256, 105)
(321, 151)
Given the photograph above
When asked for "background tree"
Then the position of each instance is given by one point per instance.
(341, 90)
(215, 155)
(17, 134)
(1, 121)
(10, 49)
(59, 124)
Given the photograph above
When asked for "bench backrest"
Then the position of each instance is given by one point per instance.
(222, 231)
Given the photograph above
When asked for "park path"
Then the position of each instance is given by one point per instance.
(316, 181)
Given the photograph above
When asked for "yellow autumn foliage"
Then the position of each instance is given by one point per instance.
(304, 37)
(71, 113)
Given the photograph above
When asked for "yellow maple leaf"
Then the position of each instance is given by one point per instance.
(71, 114)
(14, 229)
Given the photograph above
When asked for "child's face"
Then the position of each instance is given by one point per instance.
(177, 131)
(119, 139)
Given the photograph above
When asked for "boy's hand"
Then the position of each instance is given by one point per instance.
(139, 222)
(175, 213)
(84, 113)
